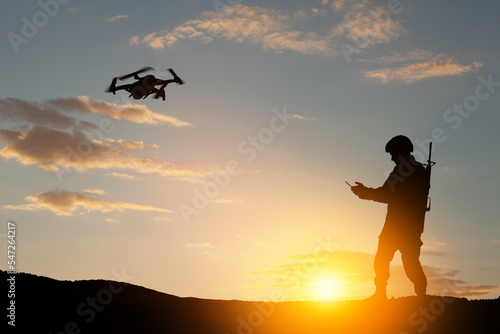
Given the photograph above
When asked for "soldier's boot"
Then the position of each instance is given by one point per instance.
(379, 295)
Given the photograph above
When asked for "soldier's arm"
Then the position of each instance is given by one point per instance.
(374, 194)
(381, 194)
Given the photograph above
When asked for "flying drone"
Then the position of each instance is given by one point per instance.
(144, 86)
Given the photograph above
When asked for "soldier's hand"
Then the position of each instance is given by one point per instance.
(360, 190)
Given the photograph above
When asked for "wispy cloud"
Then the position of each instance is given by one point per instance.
(121, 175)
(162, 219)
(475, 291)
(318, 12)
(337, 5)
(205, 248)
(94, 191)
(365, 24)
(56, 112)
(134, 40)
(301, 118)
(439, 66)
(398, 56)
(67, 203)
(116, 17)
(15, 111)
(226, 201)
(444, 281)
(433, 244)
(136, 113)
(271, 29)
(434, 253)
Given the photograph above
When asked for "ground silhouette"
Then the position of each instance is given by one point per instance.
(45, 305)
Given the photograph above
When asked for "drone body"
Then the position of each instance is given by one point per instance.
(144, 86)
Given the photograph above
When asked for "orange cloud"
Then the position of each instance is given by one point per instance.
(19, 111)
(52, 149)
(400, 57)
(439, 66)
(121, 175)
(94, 191)
(66, 203)
(226, 201)
(366, 25)
(363, 25)
(270, 28)
(54, 112)
(116, 17)
(136, 113)
(43, 134)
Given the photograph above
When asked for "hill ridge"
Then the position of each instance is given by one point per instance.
(48, 305)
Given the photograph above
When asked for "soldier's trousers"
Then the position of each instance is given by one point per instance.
(410, 253)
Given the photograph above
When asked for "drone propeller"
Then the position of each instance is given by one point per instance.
(111, 88)
(176, 77)
(144, 69)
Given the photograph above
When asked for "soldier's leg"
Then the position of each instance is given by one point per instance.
(410, 254)
(383, 258)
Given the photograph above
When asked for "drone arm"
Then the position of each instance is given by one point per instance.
(164, 83)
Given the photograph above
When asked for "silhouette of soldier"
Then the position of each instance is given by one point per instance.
(405, 192)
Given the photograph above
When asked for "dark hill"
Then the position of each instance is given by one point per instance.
(45, 305)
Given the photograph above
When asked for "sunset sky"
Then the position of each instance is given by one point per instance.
(234, 186)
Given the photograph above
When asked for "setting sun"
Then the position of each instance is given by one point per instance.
(326, 288)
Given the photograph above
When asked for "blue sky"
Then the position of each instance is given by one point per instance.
(234, 185)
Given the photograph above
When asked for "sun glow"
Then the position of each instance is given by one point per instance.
(326, 287)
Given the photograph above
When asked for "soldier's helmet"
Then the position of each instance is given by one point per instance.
(399, 145)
